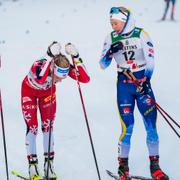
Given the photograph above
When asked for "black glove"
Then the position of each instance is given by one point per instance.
(144, 87)
(116, 47)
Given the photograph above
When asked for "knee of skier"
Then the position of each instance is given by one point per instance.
(126, 134)
(46, 125)
(152, 136)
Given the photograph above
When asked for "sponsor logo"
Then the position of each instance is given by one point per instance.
(149, 110)
(126, 42)
(126, 110)
(48, 98)
(127, 48)
(49, 104)
(26, 99)
(149, 44)
(150, 55)
(151, 50)
(122, 105)
(29, 107)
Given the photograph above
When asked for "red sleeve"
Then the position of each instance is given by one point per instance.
(82, 73)
(40, 69)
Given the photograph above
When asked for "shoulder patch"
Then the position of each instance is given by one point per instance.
(149, 44)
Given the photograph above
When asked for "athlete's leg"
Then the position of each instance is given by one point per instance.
(166, 10)
(173, 9)
(125, 102)
(149, 114)
(29, 109)
(47, 111)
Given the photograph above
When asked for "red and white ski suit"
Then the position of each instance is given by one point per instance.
(36, 93)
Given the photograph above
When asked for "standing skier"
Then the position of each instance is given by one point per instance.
(38, 91)
(133, 52)
(168, 2)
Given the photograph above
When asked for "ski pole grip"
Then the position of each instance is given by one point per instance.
(127, 74)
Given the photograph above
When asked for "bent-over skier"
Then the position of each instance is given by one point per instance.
(38, 91)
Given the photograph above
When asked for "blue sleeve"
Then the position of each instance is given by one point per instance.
(106, 57)
(148, 50)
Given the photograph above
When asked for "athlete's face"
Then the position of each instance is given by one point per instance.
(117, 25)
(56, 78)
(59, 79)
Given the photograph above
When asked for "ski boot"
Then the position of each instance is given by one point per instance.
(155, 169)
(33, 168)
(51, 174)
(123, 169)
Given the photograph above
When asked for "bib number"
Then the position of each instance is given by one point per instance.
(130, 55)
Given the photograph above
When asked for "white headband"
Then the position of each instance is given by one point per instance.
(120, 16)
(60, 71)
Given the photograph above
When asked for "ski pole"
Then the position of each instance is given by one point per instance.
(4, 138)
(86, 118)
(159, 107)
(50, 124)
(161, 112)
(3, 132)
(155, 103)
(131, 76)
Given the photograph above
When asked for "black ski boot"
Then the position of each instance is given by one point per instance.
(155, 169)
(49, 168)
(33, 167)
(123, 169)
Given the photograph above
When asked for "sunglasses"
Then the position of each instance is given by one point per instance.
(117, 10)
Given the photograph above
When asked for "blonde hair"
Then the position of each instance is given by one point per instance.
(123, 9)
(62, 61)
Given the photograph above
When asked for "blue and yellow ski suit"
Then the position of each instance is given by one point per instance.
(137, 55)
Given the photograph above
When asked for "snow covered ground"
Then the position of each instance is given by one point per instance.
(27, 27)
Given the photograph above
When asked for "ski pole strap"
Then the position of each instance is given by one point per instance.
(132, 77)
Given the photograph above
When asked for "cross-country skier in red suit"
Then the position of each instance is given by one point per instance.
(36, 93)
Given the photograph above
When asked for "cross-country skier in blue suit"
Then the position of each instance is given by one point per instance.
(133, 51)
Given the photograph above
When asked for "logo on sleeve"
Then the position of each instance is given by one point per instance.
(149, 44)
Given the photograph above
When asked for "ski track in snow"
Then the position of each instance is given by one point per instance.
(28, 27)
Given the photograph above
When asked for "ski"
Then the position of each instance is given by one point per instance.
(116, 177)
(17, 174)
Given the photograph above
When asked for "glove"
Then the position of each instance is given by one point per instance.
(144, 87)
(116, 47)
(54, 49)
(71, 50)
